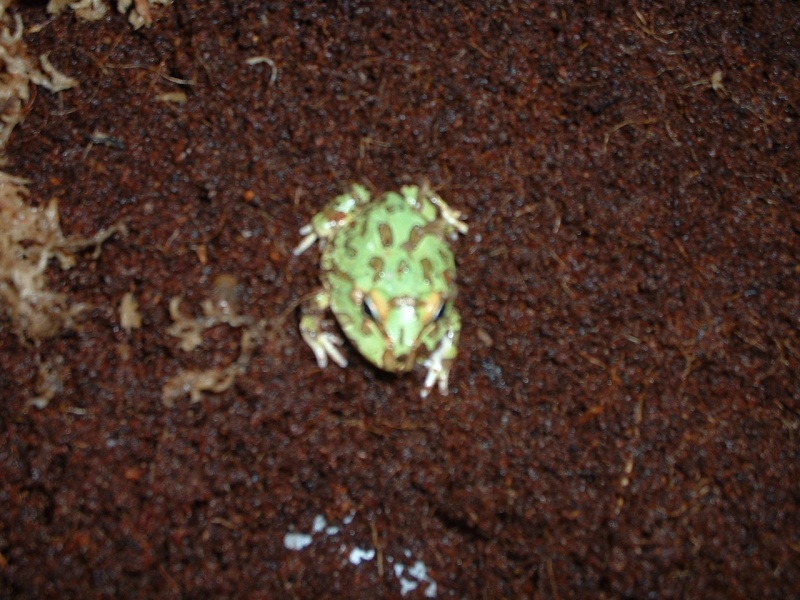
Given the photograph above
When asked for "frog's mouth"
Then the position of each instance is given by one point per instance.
(399, 364)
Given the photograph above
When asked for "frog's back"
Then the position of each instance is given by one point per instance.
(393, 246)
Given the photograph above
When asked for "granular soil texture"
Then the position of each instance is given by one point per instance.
(623, 417)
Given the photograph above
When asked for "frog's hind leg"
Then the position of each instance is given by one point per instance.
(313, 328)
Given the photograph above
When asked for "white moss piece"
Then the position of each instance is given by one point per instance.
(194, 383)
(129, 316)
(138, 11)
(49, 382)
(189, 330)
(29, 237)
(18, 70)
(88, 10)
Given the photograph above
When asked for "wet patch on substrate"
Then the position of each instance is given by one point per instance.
(623, 414)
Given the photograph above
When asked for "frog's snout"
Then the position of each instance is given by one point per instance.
(399, 363)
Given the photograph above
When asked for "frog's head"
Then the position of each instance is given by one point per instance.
(393, 330)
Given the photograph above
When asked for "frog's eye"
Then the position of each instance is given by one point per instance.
(440, 313)
(369, 308)
(433, 308)
(375, 307)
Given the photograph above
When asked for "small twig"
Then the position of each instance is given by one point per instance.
(624, 124)
(256, 60)
(378, 549)
(178, 80)
(552, 577)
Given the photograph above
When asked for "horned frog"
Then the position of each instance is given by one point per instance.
(388, 275)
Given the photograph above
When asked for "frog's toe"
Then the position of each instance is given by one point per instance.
(436, 372)
(307, 241)
(329, 342)
(443, 384)
(453, 217)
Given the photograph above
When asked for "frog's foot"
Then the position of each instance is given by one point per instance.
(309, 237)
(451, 216)
(324, 344)
(312, 327)
(438, 364)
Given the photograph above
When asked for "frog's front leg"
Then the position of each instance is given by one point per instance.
(440, 361)
(313, 328)
(327, 222)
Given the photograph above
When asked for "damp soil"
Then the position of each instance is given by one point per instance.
(623, 417)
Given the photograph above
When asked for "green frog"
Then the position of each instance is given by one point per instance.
(389, 276)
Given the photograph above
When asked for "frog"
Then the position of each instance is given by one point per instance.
(388, 276)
